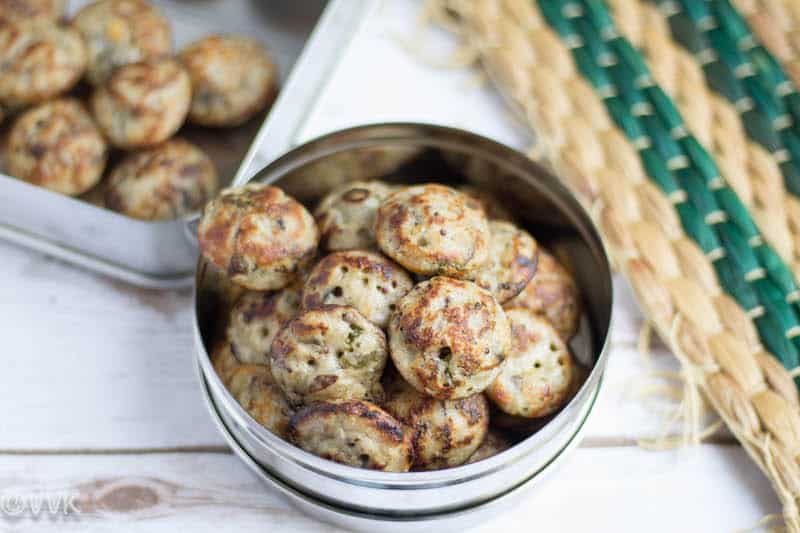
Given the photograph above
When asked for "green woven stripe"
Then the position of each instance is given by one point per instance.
(793, 105)
(666, 111)
(698, 12)
(741, 290)
(722, 80)
(733, 25)
(709, 210)
(702, 197)
(769, 328)
(702, 160)
(747, 74)
(696, 227)
(790, 170)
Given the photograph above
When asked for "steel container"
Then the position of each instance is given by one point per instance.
(349, 518)
(407, 153)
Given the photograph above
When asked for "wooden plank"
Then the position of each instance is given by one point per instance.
(93, 363)
(598, 489)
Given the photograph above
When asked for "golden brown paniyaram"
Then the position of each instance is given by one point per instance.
(444, 433)
(365, 280)
(168, 181)
(434, 230)
(260, 236)
(233, 78)
(449, 338)
(513, 255)
(450, 342)
(329, 352)
(224, 361)
(353, 432)
(537, 377)
(253, 387)
(56, 145)
(119, 32)
(493, 444)
(36, 11)
(256, 318)
(346, 216)
(38, 62)
(143, 104)
(553, 294)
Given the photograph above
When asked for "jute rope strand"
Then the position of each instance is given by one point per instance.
(710, 211)
(745, 165)
(675, 281)
(639, 106)
(738, 65)
(777, 25)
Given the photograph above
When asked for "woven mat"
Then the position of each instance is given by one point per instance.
(777, 24)
(693, 253)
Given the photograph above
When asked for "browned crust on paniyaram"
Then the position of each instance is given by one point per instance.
(144, 103)
(449, 338)
(255, 390)
(256, 318)
(39, 62)
(224, 360)
(513, 255)
(432, 229)
(365, 280)
(259, 235)
(233, 78)
(169, 181)
(57, 146)
(329, 352)
(36, 11)
(537, 378)
(372, 437)
(119, 32)
(346, 216)
(444, 433)
(552, 293)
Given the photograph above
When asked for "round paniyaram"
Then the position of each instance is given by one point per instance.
(449, 338)
(537, 377)
(260, 236)
(354, 433)
(434, 230)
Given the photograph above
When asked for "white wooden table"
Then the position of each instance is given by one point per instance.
(100, 397)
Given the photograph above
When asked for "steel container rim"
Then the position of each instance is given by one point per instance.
(358, 519)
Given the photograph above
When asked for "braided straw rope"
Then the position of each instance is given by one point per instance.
(676, 285)
(777, 24)
(746, 166)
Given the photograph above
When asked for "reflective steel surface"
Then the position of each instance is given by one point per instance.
(159, 254)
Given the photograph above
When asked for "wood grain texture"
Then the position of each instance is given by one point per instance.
(91, 362)
(213, 492)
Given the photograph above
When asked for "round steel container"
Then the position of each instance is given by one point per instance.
(409, 153)
(363, 521)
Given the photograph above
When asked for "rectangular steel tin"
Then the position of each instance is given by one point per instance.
(163, 254)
